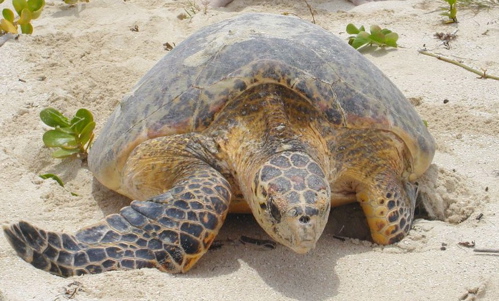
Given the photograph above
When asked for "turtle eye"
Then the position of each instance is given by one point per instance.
(274, 211)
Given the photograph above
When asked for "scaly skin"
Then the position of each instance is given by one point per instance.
(170, 231)
(293, 189)
(280, 162)
(261, 113)
(285, 175)
(284, 166)
(372, 165)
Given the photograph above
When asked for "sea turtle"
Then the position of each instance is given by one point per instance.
(262, 113)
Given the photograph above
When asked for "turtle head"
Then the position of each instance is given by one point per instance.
(291, 200)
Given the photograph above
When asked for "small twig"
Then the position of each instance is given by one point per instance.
(73, 293)
(311, 11)
(339, 237)
(482, 74)
(258, 242)
(486, 250)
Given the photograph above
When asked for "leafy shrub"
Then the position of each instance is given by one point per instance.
(26, 11)
(72, 137)
(381, 37)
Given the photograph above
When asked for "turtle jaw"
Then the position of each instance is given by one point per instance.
(304, 248)
(303, 239)
(299, 234)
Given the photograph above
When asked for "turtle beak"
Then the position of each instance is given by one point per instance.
(305, 233)
(303, 246)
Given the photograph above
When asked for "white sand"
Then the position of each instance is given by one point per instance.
(89, 58)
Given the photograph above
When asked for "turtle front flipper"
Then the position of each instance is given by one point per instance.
(373, 166)
(170, 232)
(388, 204)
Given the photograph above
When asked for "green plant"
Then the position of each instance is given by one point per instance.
(381, 37)
(452, 12)
(73, 137)
(55, 178)
(26, 11)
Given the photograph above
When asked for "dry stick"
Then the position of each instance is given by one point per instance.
(486, 250)
(310, 9)
(482, 74)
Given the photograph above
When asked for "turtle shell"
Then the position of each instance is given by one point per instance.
(190, 86)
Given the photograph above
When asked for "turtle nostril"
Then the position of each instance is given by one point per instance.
(304, 219)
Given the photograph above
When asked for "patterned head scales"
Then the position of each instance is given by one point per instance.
(294, 200)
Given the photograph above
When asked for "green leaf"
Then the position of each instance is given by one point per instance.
(7, 26)
(391, 39)
(27, 28)
(386, 31)
(55, 138)
(72, 146)
(352, 29)
(25, 17)
(82, 118)
(36, 7)
(453, 12)
(357, 43)
(67, 130)
(53, 118)
(63, 153)
(378, 37)
(1, 1)
(56, 178)
(19, 5)
(87, 133)
(375, 29)
(53, 177)
(361, 40)
(8, 15)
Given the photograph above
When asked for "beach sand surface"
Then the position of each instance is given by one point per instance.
(91, 54)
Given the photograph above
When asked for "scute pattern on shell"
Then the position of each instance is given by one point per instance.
(186, 89)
